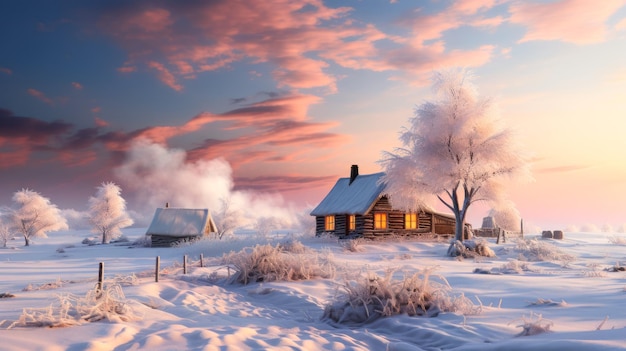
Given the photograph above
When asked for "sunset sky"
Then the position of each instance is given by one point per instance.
(291, 93)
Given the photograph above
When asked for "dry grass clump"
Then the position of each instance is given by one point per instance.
(264, 263)
(47, 286)
(511, 267)
(6, 295)
(372, 297)
(535, 324)
(471, 249)
(539, 250)
(617, 240)
(352, 245)
(108, 303)
(294, 246)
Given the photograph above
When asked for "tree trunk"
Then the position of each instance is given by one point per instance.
(26, 241)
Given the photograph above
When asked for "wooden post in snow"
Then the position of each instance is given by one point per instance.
(185, 264)
(100, 276)
(156, 269)
(201, 260)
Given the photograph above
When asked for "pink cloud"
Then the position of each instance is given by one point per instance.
(573, 21)
(39, 95)
(77, 86)
(299, 38)
(100, 122)
(621, 25)
(165, 75)
(127, 69)
(6, 71)
(470, 7)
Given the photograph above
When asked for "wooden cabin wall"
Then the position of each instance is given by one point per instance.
(320, 226)
(428, 223)
(395, 222)
(169, 241)
(341, 224)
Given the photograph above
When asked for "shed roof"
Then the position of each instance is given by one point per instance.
(181, 222)
(355, 198)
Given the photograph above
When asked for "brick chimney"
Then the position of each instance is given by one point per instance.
(354, 172)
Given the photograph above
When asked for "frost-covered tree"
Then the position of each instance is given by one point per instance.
(455, 149)
(34, 215)
(107, 212)
(506, 216)
(227, 219)
(6, 233)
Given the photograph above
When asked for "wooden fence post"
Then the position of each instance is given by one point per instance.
(156, 269)
(100, 275)
(185, 264)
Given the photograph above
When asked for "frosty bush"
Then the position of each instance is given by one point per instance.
(471, 249)
(535, 324)
(617, 240)
(372, 297)
(352, 245)
(142, 241)
(108, 304)
(264, 263)
(5, 232)
(293, 246)
(539, 250)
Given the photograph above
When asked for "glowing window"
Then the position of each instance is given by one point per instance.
(410, 221)
(380, 221)
(329, 223)
(351, 222)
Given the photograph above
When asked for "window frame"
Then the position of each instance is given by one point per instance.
(351, 222)
(411, 220)
(381, 220)
(329, 223)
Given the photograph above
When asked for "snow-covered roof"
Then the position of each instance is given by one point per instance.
(355, 198)
(181, 222)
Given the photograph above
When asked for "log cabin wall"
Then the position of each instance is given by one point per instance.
(320, 225)
(395, 222)
(341, 225)
(428, 223)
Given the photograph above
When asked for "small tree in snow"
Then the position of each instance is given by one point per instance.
(454, 149)
(227, 219)
(107, 212)
(506, 216)
(34, 215)
(5, 232)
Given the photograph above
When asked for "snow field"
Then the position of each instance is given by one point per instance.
(556, 302)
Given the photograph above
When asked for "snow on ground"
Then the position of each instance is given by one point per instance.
(572, 292)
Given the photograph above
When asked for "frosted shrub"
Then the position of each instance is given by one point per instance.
(142, 241)
(264, 263)
(471, 249)
(108, 304)
(372, 297)
(539, 250)
(535, 324)
(617, 240)
(46, 286)
(352, 245)
(293, 246)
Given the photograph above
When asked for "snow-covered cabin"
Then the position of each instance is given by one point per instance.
(357, 206)
(172, 225)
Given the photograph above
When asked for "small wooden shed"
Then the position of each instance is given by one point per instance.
(358, 207)
(173, 225)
